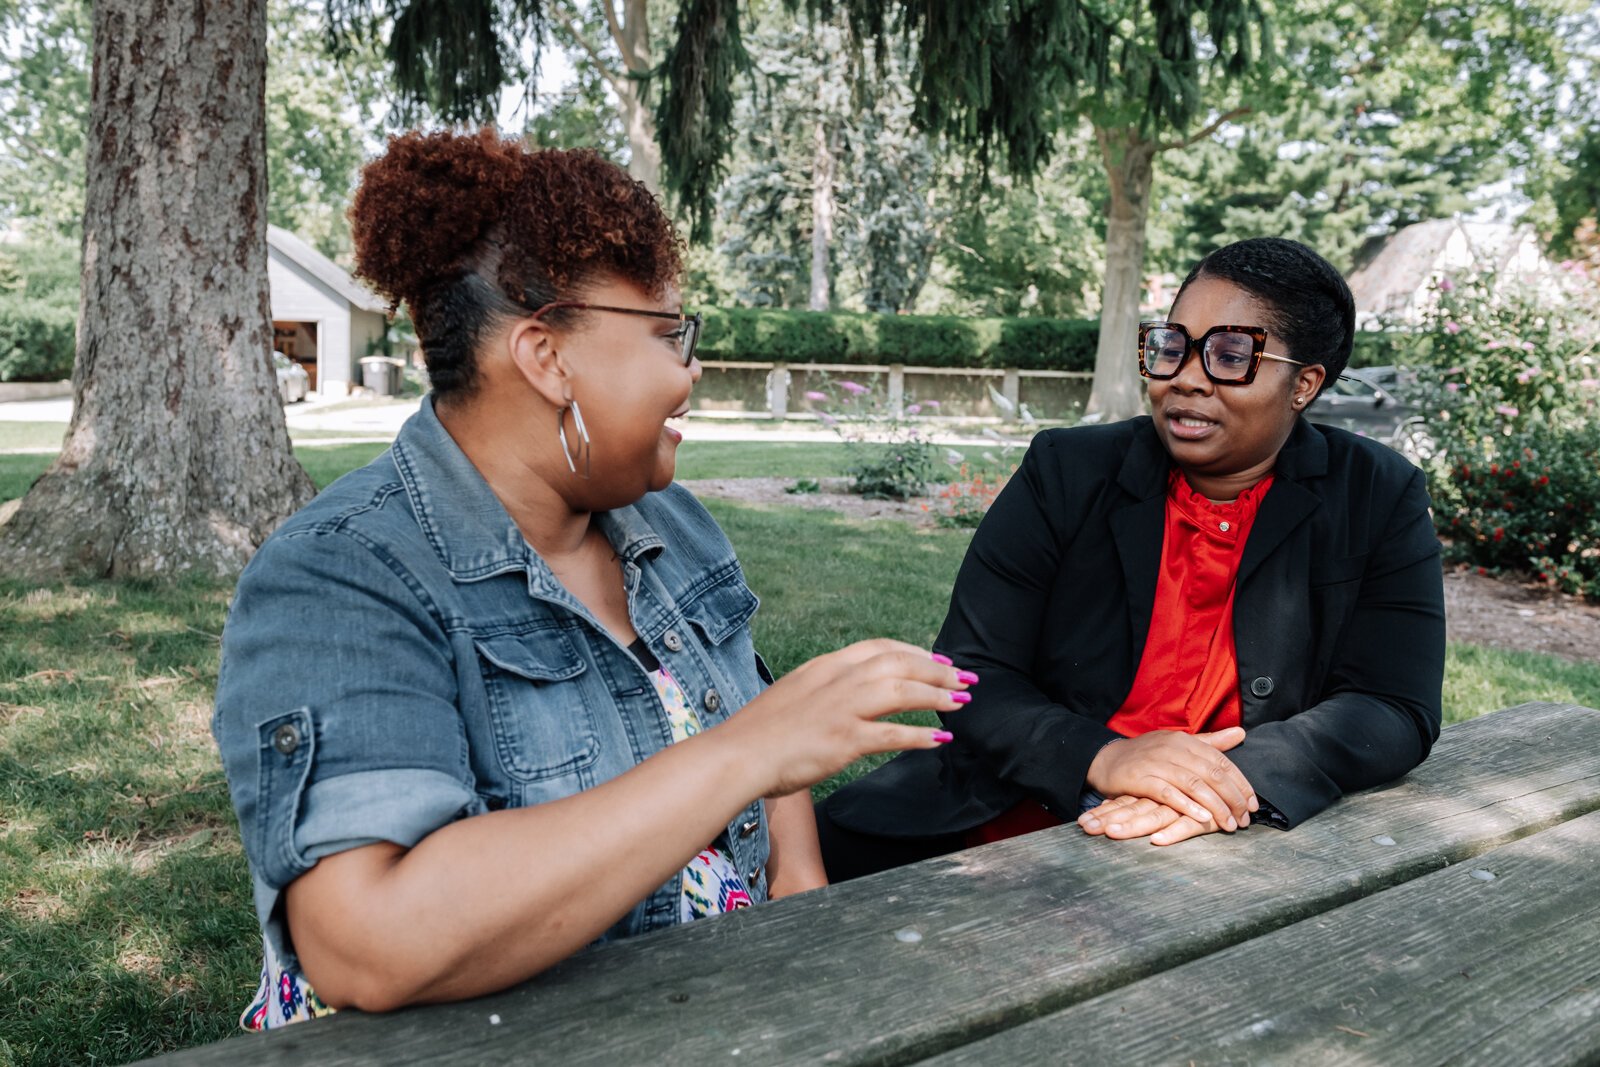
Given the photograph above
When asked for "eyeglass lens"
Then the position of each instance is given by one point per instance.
(1227, 355)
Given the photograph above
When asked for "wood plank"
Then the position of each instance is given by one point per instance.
(909, 963)
(1446, 969)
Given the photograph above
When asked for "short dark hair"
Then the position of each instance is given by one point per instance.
(1308, 302)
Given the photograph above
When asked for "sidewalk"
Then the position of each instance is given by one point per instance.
(380, 420)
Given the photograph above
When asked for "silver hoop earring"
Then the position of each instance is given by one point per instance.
(585, 446)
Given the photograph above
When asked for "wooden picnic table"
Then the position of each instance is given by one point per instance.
(1450, 917)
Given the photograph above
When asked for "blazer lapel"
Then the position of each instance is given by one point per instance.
(1138, 527)
(1287, 503)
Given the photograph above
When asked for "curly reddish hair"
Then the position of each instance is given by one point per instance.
(469, 229)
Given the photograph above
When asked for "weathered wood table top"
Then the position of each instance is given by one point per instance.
(1451, 917)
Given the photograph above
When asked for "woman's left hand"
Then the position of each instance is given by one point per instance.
(1124, 818)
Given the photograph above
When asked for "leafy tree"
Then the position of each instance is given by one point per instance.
(823, 167)
(617, 45)
(44, 94)
(318, 120)
(1394, 116)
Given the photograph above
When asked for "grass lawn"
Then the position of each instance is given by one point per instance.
(31, 434)
(126, 926)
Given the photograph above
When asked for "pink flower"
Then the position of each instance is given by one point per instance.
(1445, 285)
(1590, 383)
(1527, 346)
(1507, 410)
(931, 404)
(1452, 328)
(812, 394)
(1526, 375)
(827, 420)
(1455, 370)
(1492, 344)
(1454, 387)
(914, 409)
(853, 388)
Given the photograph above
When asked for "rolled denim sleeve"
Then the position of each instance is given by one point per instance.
(337, 715)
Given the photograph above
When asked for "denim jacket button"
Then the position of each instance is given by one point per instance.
(746, 829)
(673, 642)
(286, 739)
(713, 700)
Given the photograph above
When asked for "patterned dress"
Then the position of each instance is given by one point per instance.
(711, 884)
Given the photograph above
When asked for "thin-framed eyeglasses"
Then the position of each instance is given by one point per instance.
(1229, 355)
(686, 336)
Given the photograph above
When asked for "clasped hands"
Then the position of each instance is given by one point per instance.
(1169, 786)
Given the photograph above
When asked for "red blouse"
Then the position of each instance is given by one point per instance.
(1188, 677)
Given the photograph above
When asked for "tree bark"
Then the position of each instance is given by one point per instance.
(822, 210)
(631, 34)
(177, 459)
(639, 122)
(1129, 158)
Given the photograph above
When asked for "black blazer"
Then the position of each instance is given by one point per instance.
(1338, 625)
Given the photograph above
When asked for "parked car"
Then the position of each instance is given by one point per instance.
(293, 381)
(1359, 403)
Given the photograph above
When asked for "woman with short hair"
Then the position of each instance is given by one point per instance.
(1187, 623)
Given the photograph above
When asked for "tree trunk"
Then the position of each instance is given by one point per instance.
(644, 154)
(821, 220)
(177, 458)
(1129, 158)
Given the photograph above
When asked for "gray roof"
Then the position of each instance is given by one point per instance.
(324, 270)
(1391, 268)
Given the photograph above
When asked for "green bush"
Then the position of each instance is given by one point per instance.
(37, 339)
(767, 335)
(1535, 506)
(1509, 385)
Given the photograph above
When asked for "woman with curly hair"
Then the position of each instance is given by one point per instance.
(477, 699)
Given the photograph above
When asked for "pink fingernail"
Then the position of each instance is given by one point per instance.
(961, 698)
(943, 736)
(966, 678)
(946, 660)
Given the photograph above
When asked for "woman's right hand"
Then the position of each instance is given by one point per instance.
(820, 717)
(1186, 772)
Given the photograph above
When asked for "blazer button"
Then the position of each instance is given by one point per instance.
(286, 739)
(1261, 687)
(673, 642)
(713, 700)
(746, 829)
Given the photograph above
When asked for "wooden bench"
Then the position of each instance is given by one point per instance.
(1453, 916)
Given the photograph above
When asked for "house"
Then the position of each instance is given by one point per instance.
(322, 318)
(1397, 276)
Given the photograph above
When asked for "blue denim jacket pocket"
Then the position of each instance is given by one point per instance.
(284, 755)
(543, 729)
(723, 606)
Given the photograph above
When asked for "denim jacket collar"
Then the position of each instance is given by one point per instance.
(467, 525)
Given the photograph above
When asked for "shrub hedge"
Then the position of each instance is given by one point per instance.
(760, 335)
(37, 339)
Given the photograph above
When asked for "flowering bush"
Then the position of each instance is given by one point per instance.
(1509, 385)
(1534, 507)
(1496, 358)
(890, 458)
(965, 500)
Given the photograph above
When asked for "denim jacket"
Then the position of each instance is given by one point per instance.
(397, 657)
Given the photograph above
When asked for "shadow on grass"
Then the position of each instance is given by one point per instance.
(131, 959)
